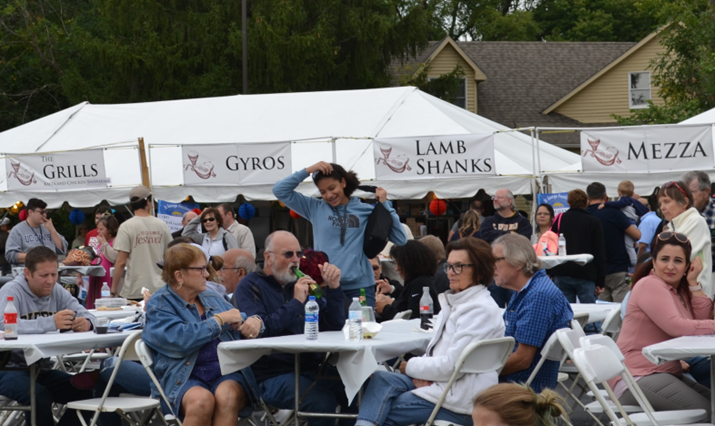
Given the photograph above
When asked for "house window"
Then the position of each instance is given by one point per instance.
(461, 99)
(639, 89)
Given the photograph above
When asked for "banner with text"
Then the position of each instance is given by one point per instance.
(236, 164)
(172, 213)
(647, 149)
(63, 171)
(558, 201)
(433, 157)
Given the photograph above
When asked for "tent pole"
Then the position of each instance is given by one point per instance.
(333, 150)
(144, 166)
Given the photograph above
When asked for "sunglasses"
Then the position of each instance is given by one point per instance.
(40, 211)
(672, 183)
(208, 219)
(290, 254)
(667, 235)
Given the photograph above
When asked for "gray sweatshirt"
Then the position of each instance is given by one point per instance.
(36, 315)
(23, 237)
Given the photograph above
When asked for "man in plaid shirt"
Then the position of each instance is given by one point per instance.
(700, 186)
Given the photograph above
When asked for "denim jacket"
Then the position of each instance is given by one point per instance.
(175, 333)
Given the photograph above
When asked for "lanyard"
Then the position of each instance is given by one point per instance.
(40, 237)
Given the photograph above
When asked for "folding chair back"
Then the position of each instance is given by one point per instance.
(477, 357)
(582, 318)
(569, 339)
(612, 324)
(403, 315)
(145, 357)
(602, 340)
(552, 351)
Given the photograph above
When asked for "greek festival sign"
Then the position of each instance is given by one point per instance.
(647, 149)
(236, 164)
(431, 157)
(52, 172)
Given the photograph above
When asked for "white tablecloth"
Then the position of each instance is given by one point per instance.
(680, 348)
(127, 311)
(596, 311)
(356, 360)
(552, 261)
(38, 346)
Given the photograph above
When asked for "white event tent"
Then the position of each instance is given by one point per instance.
(337, 125)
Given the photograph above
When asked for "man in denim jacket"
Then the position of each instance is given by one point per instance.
(279, 300)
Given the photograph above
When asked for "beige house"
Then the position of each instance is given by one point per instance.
(547, 84)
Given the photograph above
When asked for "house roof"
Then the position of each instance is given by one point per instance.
(479, 74)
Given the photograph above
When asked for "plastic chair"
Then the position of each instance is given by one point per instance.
(119, 405)
(403, 315)
(612, 324)
(582, 318)
(478, 357)
(145, 357)
(673, 417)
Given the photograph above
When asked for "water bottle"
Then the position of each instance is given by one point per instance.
(310, 329)
(105, 291)
(562, 245)
(362, 298)
(426, 309)
(10, 319)
(355, 321)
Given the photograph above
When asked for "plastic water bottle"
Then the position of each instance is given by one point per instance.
(355, 321)
(10, 319)
(426, 309)
(310, 329)
(562, 245)
(105, 291)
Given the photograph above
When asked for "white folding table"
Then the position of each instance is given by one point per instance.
(126, 311)
(356, 360)
(681, 348)
(552, 261)
(38, 346)
(596, 311)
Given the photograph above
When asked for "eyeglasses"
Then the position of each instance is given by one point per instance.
(224, 268)
(497, 198)
(290, 254)
(667, 235)
(497, 259)
(456, 268)
(672, 183)
(198, 268)
(542, 214)
(40, 211)
(208, 219)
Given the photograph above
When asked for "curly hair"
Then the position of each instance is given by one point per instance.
(414, 260)
(339, 173)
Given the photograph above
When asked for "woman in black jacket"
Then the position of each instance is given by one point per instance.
(416, 264)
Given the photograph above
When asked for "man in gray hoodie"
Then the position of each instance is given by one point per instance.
(36, 230)
(43, 306)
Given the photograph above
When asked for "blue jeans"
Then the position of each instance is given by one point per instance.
(131, 378)
(388, 401)
(700, 370)
(324, 397)
(576, 287)
(51, 386)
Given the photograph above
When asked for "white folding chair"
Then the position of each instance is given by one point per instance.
(673, 417)
(403, 315)
(119, 405)
(612, 324)
(478, 357)
(145, 357)
(582, 318)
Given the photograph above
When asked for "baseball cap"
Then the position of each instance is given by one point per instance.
(139, 193)
(5, 221)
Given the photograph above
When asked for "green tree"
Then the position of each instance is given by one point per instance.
(445, 87)
(684, 74)
(486, 20)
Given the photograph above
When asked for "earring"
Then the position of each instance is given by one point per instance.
(180, 284)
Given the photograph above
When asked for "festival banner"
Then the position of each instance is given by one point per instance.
(431, 157)
(236, 164)
(171, 213)
(558, 201)
(52, 172)
(647, 149)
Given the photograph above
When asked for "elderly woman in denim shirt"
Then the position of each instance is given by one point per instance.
(185, 324)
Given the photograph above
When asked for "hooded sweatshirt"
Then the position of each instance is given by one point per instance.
(23, 237)
(328, 224)
(36, 315)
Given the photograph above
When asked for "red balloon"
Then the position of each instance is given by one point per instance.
(23, 214)
(294, 214)
(438, 207)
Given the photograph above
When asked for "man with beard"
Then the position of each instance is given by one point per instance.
(278, 299)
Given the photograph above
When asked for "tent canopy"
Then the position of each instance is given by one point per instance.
(314, 121)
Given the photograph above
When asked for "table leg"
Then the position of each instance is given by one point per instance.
(713, 414)
(297, 382)
(33, 402)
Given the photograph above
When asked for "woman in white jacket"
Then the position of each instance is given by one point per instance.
(468, 314)
(677, 206)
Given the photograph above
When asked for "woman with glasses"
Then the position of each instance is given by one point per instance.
(185, 324)
(677, 206)
(107, 227)
(543, 221)
(339, 221)
(469, 314)
(666, 302)
(215, 240)
(416, 264)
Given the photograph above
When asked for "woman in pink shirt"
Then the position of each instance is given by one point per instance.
(666, 302)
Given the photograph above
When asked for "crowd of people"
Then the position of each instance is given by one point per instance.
(204, 288)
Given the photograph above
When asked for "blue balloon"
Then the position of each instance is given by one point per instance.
(247, 211)
(77, 216)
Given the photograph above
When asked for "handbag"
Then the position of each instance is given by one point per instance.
(377, 230)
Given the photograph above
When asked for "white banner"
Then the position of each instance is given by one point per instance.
(236, 164)
(647, 149)
(431, 157)
(63, 171)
